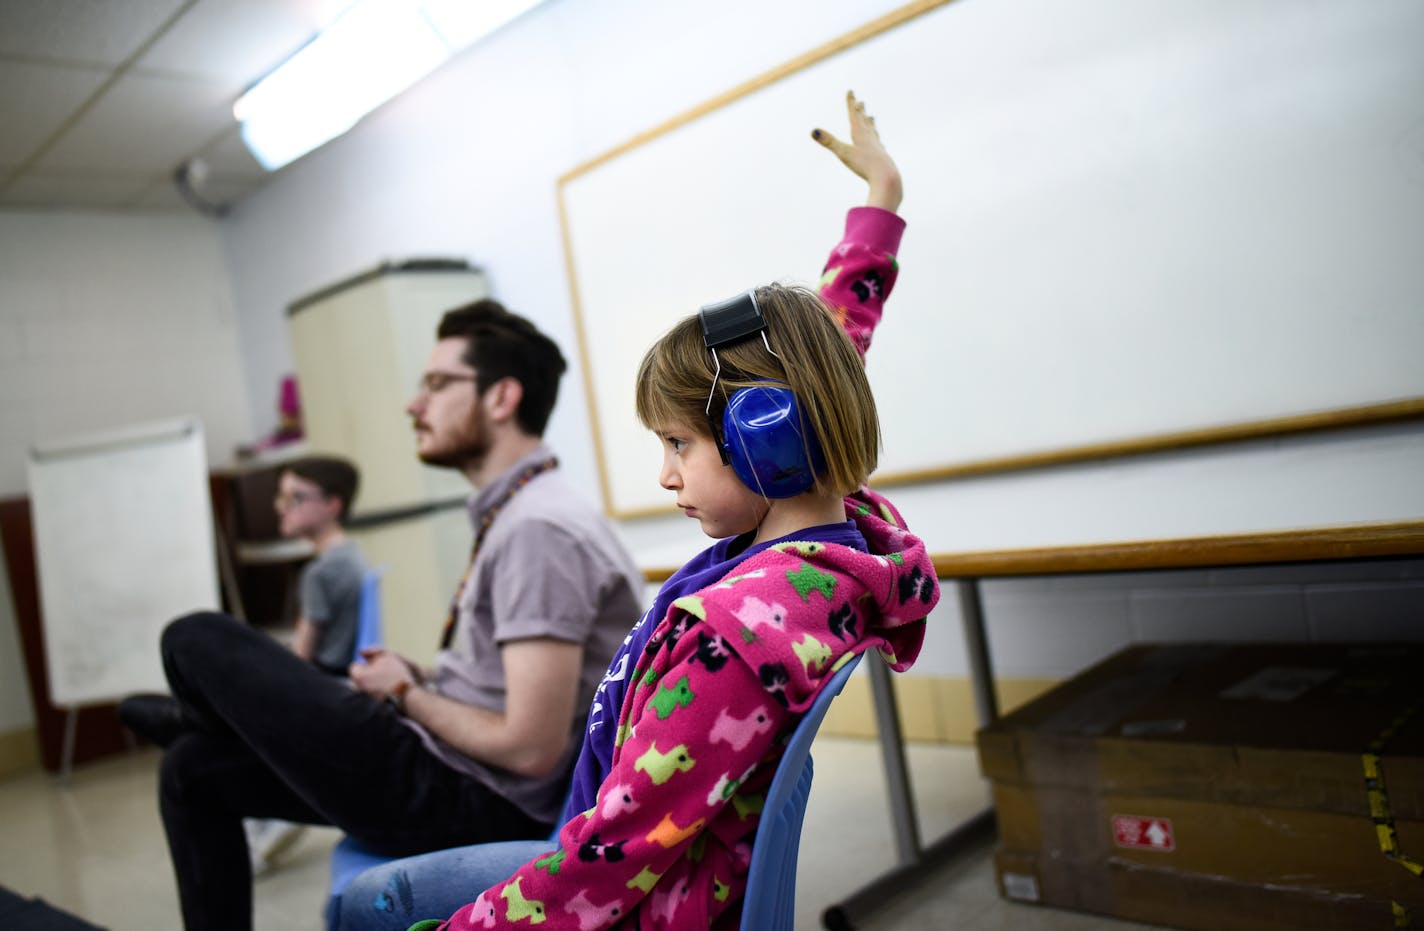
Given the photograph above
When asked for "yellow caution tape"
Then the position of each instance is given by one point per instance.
(1380, 812)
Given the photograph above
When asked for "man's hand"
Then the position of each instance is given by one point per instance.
(528, 737)
(380, 672)
(865, 155)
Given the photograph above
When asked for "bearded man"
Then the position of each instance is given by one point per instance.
(475, 749)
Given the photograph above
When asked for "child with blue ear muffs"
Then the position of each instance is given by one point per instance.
(809, 569)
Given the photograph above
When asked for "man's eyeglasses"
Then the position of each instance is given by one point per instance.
(435, 382)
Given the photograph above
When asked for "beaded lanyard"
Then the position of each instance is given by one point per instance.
(520, 481)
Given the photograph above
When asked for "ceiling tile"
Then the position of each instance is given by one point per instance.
(237, 41)
(160, 197)
(36, 100)
(143, 125)
(95, 31)
(36, 190)
(173, 103)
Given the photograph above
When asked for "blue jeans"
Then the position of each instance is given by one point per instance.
(396, 895)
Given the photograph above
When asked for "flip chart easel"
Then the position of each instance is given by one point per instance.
(124, 543)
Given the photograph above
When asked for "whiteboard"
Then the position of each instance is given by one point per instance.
(1126, 219)
(124, 544)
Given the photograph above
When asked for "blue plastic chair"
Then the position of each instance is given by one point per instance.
(349, 859)
(368, 623)
(770, 903)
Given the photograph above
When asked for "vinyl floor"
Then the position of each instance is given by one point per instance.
(95, 848)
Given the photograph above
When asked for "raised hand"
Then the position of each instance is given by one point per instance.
(866, 155)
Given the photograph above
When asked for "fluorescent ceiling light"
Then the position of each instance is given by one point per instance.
(375, 50)
(464, 21)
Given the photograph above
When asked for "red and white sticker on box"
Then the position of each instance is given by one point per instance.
(1138, 833)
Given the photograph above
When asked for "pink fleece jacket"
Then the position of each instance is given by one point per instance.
(713, 699)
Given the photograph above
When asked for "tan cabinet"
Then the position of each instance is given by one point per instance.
(360, 347)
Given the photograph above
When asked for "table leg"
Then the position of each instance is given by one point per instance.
(892, 751)
(976, 649)
(914, 859)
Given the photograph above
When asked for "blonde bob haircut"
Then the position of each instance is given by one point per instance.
(810, 353)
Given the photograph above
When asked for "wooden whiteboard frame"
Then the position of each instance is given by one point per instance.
(1386, 411)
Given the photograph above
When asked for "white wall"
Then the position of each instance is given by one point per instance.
(15, 711)
(108, 319)
(467, 164)
(1050, 628)
(1100, 211)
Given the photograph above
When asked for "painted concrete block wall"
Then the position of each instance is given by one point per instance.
(110, 319)
(1044, 630)
(467, 164)
(106, 320)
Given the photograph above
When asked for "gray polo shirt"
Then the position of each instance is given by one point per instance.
(550, 566)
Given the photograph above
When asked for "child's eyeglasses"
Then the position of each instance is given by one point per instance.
(295, 499)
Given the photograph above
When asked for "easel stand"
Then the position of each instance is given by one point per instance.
(67, 744)
(66, 754)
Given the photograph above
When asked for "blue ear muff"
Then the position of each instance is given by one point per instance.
(767, 442)
(762, 436)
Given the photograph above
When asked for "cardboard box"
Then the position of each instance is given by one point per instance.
(1220, 787)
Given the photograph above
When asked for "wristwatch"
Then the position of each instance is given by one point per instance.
(397, 694)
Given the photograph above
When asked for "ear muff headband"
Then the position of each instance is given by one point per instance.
(762, 435)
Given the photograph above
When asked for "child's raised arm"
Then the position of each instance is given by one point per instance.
(866, 156)
(862, 269)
